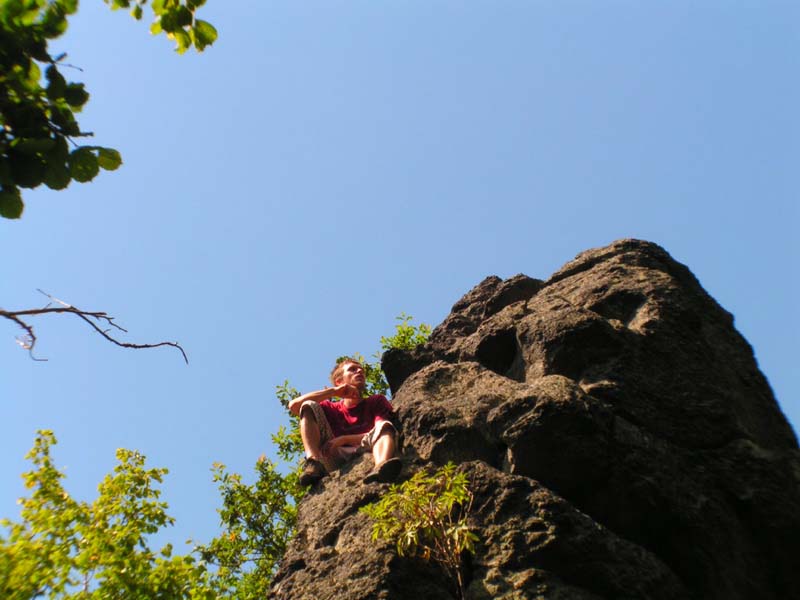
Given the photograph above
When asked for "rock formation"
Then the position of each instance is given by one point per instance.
(619, 437)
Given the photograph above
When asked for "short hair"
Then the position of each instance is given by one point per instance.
(337, 370)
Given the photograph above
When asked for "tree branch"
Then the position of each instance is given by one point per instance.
(28, 340)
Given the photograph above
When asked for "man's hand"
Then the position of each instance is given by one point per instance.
(343, 440)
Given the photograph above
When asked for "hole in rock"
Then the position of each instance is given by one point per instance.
(330, 538)
(499, 352)
(588, 348)
(621, 305)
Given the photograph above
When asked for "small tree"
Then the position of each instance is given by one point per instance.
(427, 516)
(406, 336)
(66, 549)
(258, 520)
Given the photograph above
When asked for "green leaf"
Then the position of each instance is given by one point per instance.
(32, 146)
(10, 9)
(54, 23)
(56, 84)
(204, 34)
(68, 6)
(136, 12)
(182, 39)
(38, 50)
(28, 170)
(167, 21)
(30, 16)
(63, 118)
(108, 158)
(83, 164)
(34, 74)
(75, 95)
(11, 205)
(56, 175)
(60, 150)
(183, 16)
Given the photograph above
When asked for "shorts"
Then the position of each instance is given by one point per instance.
(338, 456)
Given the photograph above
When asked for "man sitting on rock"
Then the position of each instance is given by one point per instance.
(334, 432)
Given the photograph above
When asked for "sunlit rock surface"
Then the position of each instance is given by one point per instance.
(620, 440)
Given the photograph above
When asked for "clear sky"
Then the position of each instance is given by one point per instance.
(328, 165)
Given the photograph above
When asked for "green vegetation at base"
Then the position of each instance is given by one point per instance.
(69, 550)
(66, 549)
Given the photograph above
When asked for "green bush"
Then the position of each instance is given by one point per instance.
(427, 516)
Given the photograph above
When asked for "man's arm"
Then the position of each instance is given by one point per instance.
(320, 395)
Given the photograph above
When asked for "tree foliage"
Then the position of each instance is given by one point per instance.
(258, 519)
(38, 104)
(427, 516)
(67, 549)
(407, 336)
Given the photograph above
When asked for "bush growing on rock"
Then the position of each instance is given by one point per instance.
(427, 516)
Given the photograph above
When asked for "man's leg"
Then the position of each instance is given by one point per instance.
(313, 433)
(384, 451)
(309, 432)
(384, 448)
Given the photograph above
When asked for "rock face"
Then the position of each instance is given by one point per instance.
(619, 438)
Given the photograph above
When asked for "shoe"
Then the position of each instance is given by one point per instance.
(313, 471)
(386, 472)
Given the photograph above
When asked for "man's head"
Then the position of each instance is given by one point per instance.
(349, 370)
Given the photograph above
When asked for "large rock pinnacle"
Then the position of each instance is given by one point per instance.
(620, 440)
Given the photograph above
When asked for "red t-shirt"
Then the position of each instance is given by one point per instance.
(358, 419)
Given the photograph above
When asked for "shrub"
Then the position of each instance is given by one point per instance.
(427, 516)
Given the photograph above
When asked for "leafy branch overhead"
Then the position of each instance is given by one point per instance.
(38, 104)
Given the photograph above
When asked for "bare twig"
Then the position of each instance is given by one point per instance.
(28, 340)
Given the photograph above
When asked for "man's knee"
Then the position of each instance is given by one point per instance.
(386, 430)
(307, 411)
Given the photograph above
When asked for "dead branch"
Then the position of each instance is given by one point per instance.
(93, 318)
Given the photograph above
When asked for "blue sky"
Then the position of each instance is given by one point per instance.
(328, 165)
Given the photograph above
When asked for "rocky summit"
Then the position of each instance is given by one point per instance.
(619, 439)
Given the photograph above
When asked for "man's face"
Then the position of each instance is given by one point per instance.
(353, 373)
